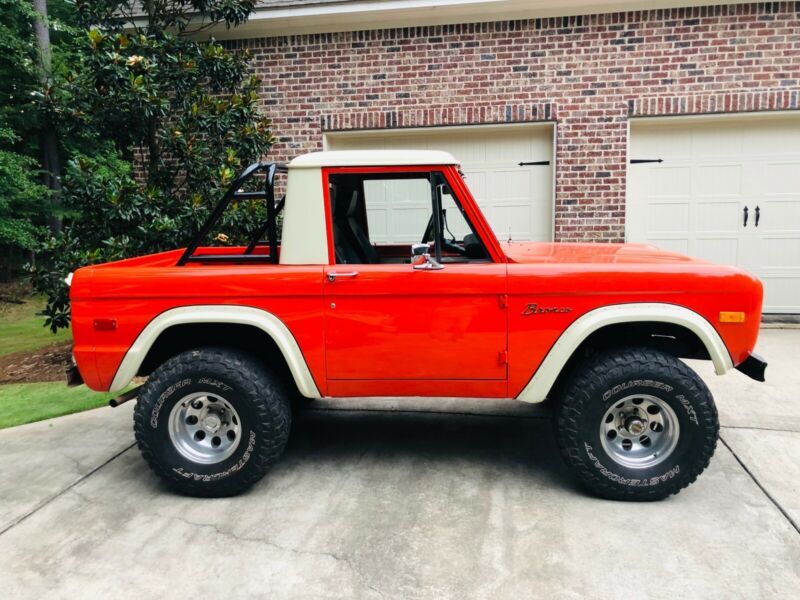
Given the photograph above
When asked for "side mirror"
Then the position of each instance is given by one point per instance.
(419, 250)
(421, 258)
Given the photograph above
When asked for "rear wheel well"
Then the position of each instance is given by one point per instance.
(670, 338)
(244, 338)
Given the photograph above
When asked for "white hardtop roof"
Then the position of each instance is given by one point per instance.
(372, 158)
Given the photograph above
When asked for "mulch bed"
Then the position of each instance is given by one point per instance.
(45, 364)
(14, 292)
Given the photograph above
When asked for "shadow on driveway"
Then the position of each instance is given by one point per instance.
(334, 439)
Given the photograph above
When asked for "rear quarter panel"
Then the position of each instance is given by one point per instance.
(134, 296)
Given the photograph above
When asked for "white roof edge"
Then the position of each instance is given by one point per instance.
(268, 21)
(372, 158)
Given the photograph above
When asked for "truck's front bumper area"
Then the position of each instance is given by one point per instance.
(754, 367)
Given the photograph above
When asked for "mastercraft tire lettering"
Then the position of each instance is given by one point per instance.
(210, 422)
(636, 424)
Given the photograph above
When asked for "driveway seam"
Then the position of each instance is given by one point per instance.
(60, 493)
(760, 486)
(758, 428)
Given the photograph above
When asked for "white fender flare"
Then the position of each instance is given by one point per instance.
(544, 378)
(239, 315)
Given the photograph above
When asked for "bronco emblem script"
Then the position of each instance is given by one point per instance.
(535, 309)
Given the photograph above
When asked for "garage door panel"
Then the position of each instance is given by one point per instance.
(378, 224)
(729, 164)
(717, 180)
(779, 215)
(783, 178)
(510, 183)
(780, 250)
(510, 150)
(409, 223)
(666, 217)
(680, 245)
(717, 140)
(510, 220)
(672, 143)
(769, 138)
(781, 287)
(717, 217)
(463, 147)
(719, 250)
(476, 181)
(669, 182)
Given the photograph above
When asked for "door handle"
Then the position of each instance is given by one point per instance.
(333, 276)
(746, 212)
(758, 215)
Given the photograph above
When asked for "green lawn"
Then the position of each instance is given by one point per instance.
(28, 402)
(22, 329)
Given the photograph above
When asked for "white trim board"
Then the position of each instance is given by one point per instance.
(382, 14)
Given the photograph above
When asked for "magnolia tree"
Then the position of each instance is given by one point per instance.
(24, 203)
(171, 119)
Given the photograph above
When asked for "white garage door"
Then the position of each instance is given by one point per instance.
(716, 171)
(516, 200)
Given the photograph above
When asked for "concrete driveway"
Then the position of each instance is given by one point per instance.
(409, 499)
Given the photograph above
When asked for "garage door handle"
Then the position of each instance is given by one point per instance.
(746, 212)
(758, 215)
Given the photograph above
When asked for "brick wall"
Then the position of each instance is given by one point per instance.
(588, 73)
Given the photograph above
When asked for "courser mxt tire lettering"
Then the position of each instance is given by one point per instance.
(254, 428)
(629, 395)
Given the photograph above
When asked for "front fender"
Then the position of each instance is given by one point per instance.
(542, 381)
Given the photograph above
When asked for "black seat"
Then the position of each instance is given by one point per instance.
(337, 233)
(473, 247)
(349, 239)
(366, 249)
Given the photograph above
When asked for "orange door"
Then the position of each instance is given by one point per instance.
(391, 322)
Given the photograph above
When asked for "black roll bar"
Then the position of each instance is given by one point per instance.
(233, 193)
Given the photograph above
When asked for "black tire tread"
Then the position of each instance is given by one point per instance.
(270, 403)
(582, 389)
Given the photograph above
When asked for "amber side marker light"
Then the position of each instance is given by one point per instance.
(731, 317)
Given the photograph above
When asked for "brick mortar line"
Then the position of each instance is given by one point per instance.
(60, 493)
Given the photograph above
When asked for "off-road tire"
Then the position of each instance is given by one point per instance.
(258, 397)
(603, 381)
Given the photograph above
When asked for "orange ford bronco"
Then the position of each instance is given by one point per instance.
(388, 281)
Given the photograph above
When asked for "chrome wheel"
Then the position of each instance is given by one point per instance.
(204, 428)
(639, 431)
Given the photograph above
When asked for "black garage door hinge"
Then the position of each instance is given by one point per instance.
(537, 163)
(639, 161)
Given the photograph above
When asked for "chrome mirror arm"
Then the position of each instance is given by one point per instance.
(421, 259)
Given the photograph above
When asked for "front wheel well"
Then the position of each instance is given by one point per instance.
(246, 338)
(677, 340)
